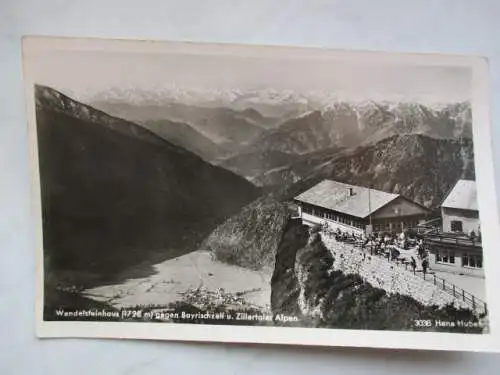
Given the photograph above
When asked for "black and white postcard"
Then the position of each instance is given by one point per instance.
(260, 194)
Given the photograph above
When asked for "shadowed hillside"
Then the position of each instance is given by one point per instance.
(222, 126)
(115, 194)
(186, 137)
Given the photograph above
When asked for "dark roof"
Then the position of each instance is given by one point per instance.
(335, 196)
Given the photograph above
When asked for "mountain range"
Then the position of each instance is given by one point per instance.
(229, 129)
(113, 193)
(346, 125)
(250, 144)
(317, 136)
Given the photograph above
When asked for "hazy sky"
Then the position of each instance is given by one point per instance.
(86, 73)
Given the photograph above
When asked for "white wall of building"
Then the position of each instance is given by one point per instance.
(455, 268)
(468, 223)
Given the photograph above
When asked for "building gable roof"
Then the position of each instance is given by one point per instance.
(462, 196)
(334, 195)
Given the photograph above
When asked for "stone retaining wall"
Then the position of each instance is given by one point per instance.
(391, 277)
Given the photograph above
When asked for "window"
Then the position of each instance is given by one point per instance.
(445, 256)
(456, 226)
(472, 261)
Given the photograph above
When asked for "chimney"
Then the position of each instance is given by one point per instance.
(350, 192)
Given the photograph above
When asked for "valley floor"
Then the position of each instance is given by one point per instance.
(182, 275)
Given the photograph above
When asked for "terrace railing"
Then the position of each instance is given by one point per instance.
(475, 304)
(472, 301)
(452, 239)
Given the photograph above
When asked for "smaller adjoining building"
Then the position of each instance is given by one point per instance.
(358, 209)
(456, 247)
(459, 209)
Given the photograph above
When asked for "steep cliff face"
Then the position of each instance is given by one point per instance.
(284, 285)
(306, 284)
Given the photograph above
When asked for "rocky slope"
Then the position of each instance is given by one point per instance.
(342, 124)
(114, 194)
(250, 238)
(421, 168)
(305, 285)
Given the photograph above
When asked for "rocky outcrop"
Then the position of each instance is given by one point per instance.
(284, 283)
(328, 290)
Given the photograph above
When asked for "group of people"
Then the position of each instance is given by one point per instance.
(388, 244)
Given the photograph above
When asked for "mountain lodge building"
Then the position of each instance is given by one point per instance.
(452, 248)
(358, 209)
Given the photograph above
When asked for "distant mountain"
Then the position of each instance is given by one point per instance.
(460, 115)
(342, 124)
(253, 164)
(222, 126)
(452, 121)
(114, 194)
(421, 168)
(257, 118)
(301, 166)
(271, 103)
(185, 136)
(298, 135)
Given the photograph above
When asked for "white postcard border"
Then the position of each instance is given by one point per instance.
(487, 200)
